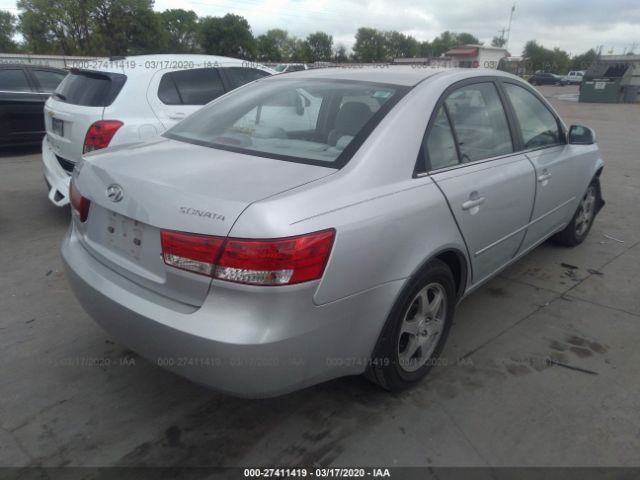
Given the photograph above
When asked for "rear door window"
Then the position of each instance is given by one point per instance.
(190, 87)
(538, 125)
(89, 88)
(241, 75)
(439, 148)
(167, 91)
(479, 121)
(14, 80)
(48, 80)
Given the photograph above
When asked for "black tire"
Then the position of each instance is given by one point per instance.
(574, 233)
(386, 365)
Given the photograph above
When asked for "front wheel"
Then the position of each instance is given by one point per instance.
(416, 329)
(578, 229)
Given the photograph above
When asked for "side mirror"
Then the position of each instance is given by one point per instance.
(579, 135)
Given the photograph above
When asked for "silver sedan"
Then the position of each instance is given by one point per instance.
(324, 223)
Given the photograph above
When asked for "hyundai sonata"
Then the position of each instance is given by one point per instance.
(258, 255)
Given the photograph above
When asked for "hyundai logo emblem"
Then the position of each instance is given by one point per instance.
(115, 193)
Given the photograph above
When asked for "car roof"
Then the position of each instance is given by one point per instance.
(405, 75)
(138, 64)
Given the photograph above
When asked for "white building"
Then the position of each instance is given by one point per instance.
(476, 56)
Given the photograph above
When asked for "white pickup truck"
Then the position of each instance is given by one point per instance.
(574, 77)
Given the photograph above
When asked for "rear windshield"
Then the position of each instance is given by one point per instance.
(320, 122)
(90, 89)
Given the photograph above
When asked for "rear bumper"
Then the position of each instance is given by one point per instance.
(56, 177)
(245, 341)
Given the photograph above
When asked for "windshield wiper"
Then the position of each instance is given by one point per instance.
(59, 95)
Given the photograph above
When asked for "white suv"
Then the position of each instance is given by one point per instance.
(111, 102)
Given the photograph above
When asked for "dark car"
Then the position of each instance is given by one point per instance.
(23, 91)
(540, 78)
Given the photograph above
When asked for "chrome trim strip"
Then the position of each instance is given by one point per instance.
(22, 91)
(485, 160)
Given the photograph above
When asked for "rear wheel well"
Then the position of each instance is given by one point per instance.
(458, 266)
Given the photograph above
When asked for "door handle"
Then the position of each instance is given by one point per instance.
(476, 202)
(177, 116)
(544, 176)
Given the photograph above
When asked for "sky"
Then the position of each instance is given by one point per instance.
(572, 25)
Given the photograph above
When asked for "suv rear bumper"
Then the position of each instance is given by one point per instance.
(245, 341)
(57, 178)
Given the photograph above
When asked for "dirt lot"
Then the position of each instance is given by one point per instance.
(70, 395)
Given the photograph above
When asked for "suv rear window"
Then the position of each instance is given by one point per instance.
(90, 89)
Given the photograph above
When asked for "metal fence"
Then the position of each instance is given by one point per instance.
(58, 61)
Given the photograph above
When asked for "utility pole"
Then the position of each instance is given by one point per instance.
(513, 9)
(502, 39)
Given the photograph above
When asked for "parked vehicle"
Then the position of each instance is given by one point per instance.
(129, 99)
(23, 91)
(291, 67)
(258, 257)
(543, 78)
(574, 77)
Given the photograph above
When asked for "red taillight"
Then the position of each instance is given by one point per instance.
(79, 203)
(275, 262)
(189, 251)
(100, 134)
(283, 261)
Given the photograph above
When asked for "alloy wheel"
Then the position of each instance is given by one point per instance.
(586, 211)
(422, 327)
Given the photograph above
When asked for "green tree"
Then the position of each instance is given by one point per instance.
(57, 26)
(466, 39)
(447, 40)
(127, 27)
(560, 61)
(181, 29)
(370, 45)
(275, 46)
(340, 54)
(267, 49)
(498, 42)
(545, 60)
(7, 31)
(229, 36)
(300, 51)
(320, 47)
(425, 49)
(584, 61)
(442, 43)
(399, 45)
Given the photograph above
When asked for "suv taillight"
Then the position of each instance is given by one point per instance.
(100, 134)
(282, 261)
(79, 203)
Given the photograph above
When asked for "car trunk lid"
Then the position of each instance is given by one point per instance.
(169, 185)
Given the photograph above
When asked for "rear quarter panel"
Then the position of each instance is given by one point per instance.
(131, 108)
(388, 223)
